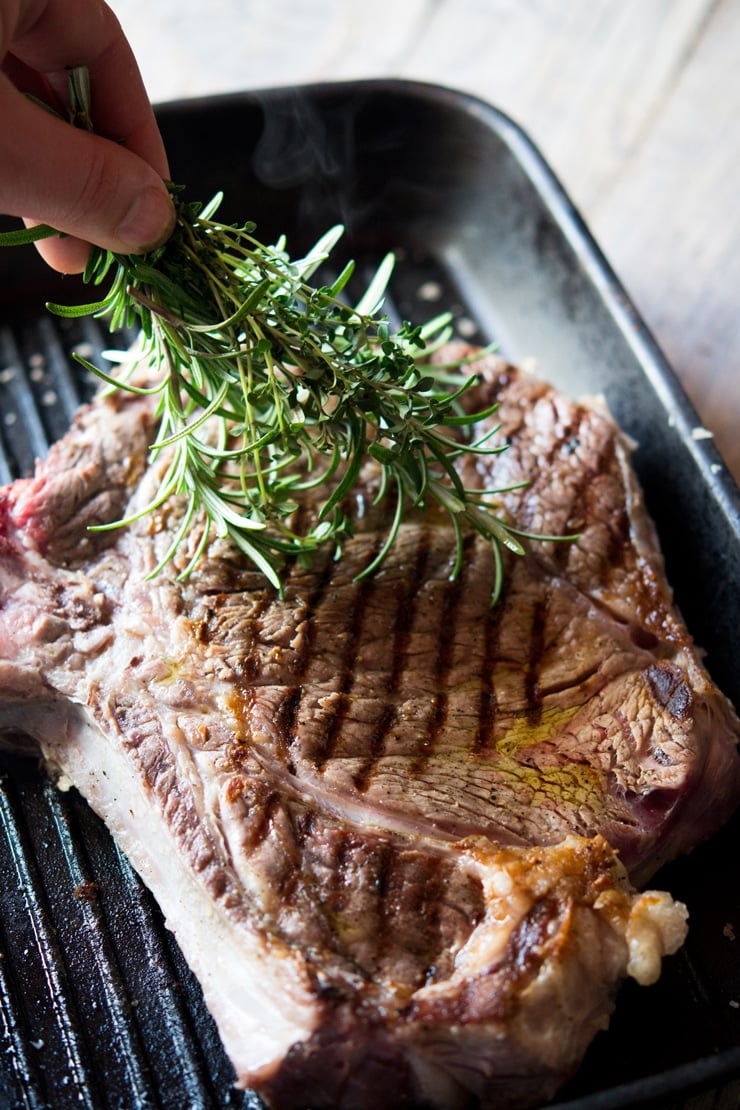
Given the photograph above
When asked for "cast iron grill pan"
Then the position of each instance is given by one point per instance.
(97, 1007)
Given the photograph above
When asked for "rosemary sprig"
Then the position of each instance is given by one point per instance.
(269, 387)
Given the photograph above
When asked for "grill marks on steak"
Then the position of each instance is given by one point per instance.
(360, 806)
(411, 692)
(498, 1021)
(357, 898)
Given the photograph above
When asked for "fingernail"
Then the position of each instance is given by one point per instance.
(148, 222)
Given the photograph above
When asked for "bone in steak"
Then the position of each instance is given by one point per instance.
(389, 825)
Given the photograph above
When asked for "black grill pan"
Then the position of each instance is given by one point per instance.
(97, 1008)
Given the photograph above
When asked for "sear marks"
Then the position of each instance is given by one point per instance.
(390, 825)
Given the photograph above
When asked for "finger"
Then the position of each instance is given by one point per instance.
(86, 186)
(68, 256)
(32, 83)
(54, 35)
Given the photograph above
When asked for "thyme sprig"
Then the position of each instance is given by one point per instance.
(269, 388)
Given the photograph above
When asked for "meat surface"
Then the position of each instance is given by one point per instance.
(399, 834)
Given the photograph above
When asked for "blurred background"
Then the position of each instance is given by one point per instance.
(635, 104)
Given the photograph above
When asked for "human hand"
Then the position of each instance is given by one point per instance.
(105, 188)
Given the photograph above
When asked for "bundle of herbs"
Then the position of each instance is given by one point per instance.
(268, 385)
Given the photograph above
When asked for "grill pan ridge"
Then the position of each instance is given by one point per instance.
(97, 1007)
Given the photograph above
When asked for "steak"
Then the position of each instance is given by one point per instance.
(399, 834)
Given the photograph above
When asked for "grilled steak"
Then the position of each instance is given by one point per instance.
(390, 826)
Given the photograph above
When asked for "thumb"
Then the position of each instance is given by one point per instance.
(92, 189)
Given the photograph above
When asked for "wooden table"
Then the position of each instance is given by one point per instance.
(635, 104)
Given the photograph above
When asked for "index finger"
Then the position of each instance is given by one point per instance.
(51, 36)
